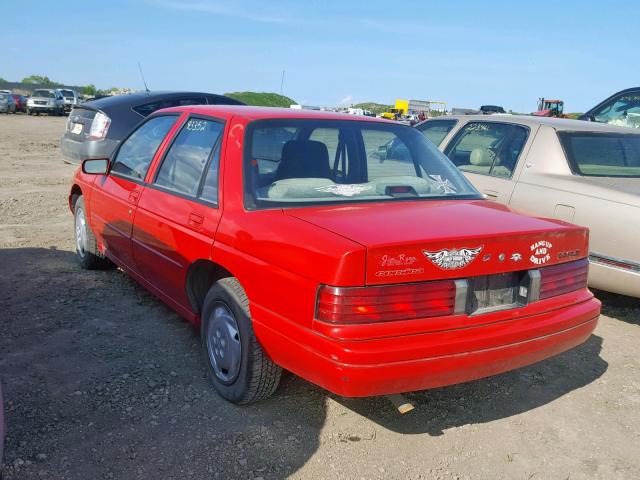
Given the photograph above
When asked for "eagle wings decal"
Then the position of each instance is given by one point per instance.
(454, 258)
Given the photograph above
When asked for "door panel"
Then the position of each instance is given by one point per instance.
(113, 205)
(177, 215)
(497, 189)
(115, 197)
(170, 233)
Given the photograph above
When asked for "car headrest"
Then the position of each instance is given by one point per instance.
(304, 159)
(481, 157)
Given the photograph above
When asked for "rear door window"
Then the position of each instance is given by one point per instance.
(488, 148)
(188, 156)
(137, 151)
(436, 130)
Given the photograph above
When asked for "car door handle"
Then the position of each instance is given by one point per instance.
(195, 220)
(134, 195)
(491, 194)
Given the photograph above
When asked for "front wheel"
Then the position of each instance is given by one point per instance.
(87, 253)
(235, 361)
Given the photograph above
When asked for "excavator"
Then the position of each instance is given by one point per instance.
(550, 108)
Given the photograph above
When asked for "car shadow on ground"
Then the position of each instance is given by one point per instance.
(488, 399)
(620, 307)
(101, 380)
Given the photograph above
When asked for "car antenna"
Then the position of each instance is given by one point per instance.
(143, 80)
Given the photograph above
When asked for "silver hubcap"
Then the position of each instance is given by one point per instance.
(81, 233)
(223, 344)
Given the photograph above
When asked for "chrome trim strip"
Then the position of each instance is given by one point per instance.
(602, 259)
(462, 287)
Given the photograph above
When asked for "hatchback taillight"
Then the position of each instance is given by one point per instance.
(99, 126)
(563, 278)
(385, 303)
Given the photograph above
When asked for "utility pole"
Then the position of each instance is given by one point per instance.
(282, 83)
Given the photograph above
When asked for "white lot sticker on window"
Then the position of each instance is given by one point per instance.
(194, 125)
(443, 184)
(345, 190)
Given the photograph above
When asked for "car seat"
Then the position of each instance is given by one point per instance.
(304, 159)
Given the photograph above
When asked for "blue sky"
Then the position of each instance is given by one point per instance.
(466, 53)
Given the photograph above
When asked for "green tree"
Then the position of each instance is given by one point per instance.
(3, 80)
(38, 79)
(90, 90)
(41, 80)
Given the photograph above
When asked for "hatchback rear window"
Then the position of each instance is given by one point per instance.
(604, 154)
(148, 108)
(302, 161)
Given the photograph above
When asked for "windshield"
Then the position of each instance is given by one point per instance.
(67, 93)
(301, 161)
(43, 93)
(623, 111)
(602, 154)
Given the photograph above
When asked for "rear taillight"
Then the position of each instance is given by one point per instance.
(386, 303)
(99, 126)
(563, 278)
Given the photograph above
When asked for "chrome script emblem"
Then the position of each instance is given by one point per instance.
(454, 258)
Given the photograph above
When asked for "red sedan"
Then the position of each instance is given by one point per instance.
(310, 241)
(21, 102)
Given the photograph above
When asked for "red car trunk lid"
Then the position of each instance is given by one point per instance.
(429, 240)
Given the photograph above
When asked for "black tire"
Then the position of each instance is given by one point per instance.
(88, 256)
(257, 377)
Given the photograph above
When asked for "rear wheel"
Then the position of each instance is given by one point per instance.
(237, 365)
(87, 253)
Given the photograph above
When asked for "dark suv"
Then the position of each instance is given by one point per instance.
(96, 128)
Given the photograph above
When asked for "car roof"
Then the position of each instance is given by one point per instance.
(560, 124)
(259, 113)
(142, 96)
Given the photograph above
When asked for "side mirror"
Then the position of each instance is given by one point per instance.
(95, 166)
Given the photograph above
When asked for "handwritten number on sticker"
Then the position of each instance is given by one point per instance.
(195, 125)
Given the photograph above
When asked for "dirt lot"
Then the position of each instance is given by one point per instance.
(103, 381)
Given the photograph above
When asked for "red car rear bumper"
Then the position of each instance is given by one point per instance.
(403, 363)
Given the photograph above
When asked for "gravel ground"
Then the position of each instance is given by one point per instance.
(103, 381)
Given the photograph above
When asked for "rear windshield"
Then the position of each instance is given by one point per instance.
(602, 154)
(301, 162)
(43, 93)
(67, 93)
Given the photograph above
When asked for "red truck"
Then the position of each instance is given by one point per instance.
(300, 240)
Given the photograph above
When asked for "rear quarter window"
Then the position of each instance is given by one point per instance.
(602, 154)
